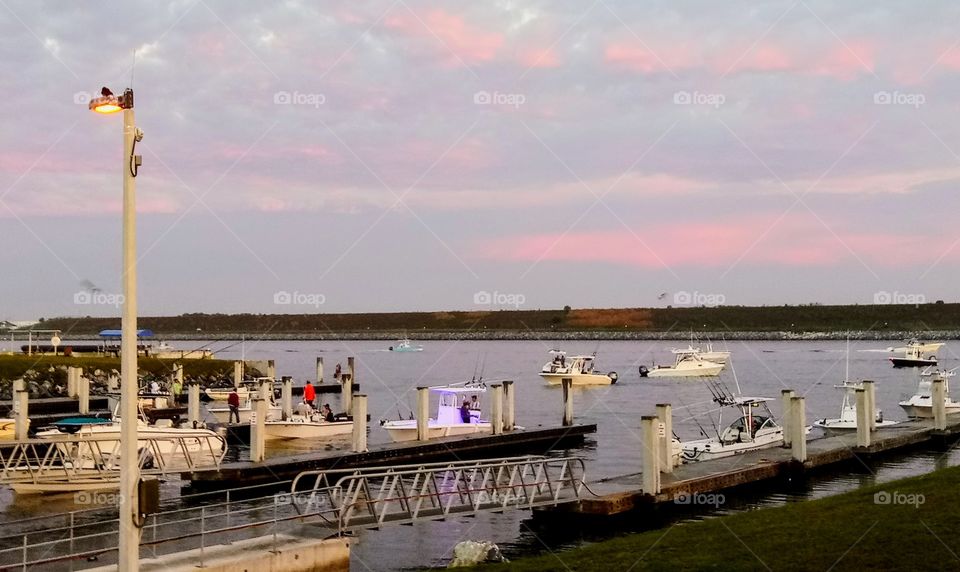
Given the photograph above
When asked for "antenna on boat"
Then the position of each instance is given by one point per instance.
(846, 376)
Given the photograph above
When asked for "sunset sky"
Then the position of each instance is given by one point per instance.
(410, 155)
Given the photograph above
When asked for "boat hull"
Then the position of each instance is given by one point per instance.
(702, 369)
(578, 378)
(709, 449)
(306, 429)
(222, 414)
(925, 411)
(912, 362)
(831, 427)
(55, 487)
(403, 431)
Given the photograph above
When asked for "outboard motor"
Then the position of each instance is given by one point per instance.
(613, 377)
(644, 371)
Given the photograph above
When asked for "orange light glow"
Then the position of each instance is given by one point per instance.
(107, 108)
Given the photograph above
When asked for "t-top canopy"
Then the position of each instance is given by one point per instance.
(119, 333)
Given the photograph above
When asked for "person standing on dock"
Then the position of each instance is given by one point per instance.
(309, 394)
(336, 372)
(177, 391)
(233, 400)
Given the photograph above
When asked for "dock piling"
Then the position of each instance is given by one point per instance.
(509, 411)
(272, 369)
(496, 408)
(567, 401)
(799, 425)
(863, 413)
(785, 396)
(21, 399)
(650, 455)
(73, 373)
(286, 397)
(237, 373)
(178, 373)
(360, 424)
(257, 425)
(193, 402)
(319, 370)
(939, 405)
(83, 395)
(665, 415)
(423, 414)
(346, 392)
(871, 389)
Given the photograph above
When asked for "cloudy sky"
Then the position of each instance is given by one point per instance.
(412, 155)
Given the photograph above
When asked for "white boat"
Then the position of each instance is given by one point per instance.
(169, 440)
(847, 422)
(222, 414)
(752, 430)
(308, 427)
(916, 354)
(578, 368)
(163, 350)
(222, 393)
(405, 345)
(920, 405)
(687, 365)
(450, 414)
(707, 354)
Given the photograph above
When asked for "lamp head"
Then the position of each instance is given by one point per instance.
(110, 103)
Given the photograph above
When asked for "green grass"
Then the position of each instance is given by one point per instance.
(14, 366)
(844, 532)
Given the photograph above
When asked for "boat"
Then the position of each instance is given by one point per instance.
(755, 428)
(580, 369)
(222, 414)
(449, 420)
(405, 345)
(847, 421)
(920, 404)
(163, 350)
(707, 354)
(169, 440)
(222, 393)
(916, 354)
(8, 428)
(686, 365)
(308, 427)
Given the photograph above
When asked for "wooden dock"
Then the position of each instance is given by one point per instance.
(622, 494)
(273, 469)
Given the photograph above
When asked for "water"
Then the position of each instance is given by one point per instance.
(761, 368)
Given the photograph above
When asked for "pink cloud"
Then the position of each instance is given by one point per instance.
(632, 57)
(450, 33)
(538, 59)
(841, 61)
(793, 241)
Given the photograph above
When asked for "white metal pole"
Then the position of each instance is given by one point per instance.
(129, 541)
(360, 424)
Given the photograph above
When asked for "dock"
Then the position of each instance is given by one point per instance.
(622, 494)
(517, 442)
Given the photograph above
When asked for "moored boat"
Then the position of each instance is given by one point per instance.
(459, 411)
(686, 365)
(920, 404)
(847, 422)
(580, 369)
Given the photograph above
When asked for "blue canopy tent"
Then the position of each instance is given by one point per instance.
(117, 334)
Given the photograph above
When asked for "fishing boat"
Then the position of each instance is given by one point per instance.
(222, 393)
(916, 354)
(311, 426)
(755, 428)
(580, 369)
(705, 353)
(169, 440)
(454, 400)
(246, 412)
(920, 404)
(686, 365)
(163, 350)
(847, 422)
(405, 345)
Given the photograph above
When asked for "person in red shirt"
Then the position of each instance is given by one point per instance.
(233, 400)
(309, 394)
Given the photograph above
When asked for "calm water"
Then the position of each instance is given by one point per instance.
(760, 368)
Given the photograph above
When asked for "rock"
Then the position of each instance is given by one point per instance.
(471, 553)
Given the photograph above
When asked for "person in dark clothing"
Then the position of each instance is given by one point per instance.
(233, 400)
(327, 413)
(465, 411)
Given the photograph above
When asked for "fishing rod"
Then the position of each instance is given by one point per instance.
(695, 420)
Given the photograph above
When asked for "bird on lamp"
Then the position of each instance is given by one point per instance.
(105, 92)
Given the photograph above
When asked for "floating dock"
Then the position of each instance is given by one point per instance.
(624, 493)
(517, 442)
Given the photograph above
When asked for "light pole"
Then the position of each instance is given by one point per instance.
(129, 542)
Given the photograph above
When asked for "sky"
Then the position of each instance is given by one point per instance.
(358, 156)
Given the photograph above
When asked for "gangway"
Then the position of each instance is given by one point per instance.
(78, 462)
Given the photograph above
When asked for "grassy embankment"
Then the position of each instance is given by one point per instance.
(845, 532)
(893, 317)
